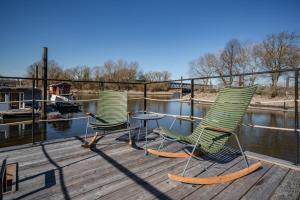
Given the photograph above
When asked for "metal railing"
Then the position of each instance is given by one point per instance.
(191, 100)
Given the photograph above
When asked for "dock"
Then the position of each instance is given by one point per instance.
(17, 113)
(62, 169)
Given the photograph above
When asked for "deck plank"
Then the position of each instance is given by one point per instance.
(264, 188)
(114, 170)
(240, 186)
(289, 187)
(183, 190)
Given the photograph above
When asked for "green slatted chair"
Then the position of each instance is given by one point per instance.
(111, 114)
(221, 122)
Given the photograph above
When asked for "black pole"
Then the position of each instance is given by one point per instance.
(296, 115)
(45, 85)
(45, 77)
(192, 104)
(145, 100)
(32, 106)
(37, 75)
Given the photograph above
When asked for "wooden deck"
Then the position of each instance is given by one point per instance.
(62, 169)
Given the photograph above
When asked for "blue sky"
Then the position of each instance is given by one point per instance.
(158, 34)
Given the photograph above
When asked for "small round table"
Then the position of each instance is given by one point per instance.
(146, 117)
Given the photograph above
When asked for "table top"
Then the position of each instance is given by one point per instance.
(147, 116)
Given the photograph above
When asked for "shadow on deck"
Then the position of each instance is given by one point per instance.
(114, 170)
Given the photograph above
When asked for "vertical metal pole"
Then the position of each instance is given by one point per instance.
(180, 111)
(45, 85)
(32, 107)
(145, 100)
(181, 88)
(296, 115)
(192, 104)
(102, 86)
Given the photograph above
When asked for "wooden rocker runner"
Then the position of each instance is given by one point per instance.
(111, 114)
(212, 133)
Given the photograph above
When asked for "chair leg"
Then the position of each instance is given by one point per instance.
(162, 143)
(194, 148)
(138, 139)
(86, 128)
(157, 124)
(146, 137)
(241, 149)
(129, 134)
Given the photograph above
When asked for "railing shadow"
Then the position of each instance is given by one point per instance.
(144, 184)
(50, 178)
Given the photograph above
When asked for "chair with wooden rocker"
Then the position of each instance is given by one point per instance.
(210, 136)
(111, 114)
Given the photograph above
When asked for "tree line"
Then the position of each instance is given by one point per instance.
(276, 52)
(111, 71)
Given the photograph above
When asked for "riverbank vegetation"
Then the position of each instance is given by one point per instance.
(110, 71)
(275, 52)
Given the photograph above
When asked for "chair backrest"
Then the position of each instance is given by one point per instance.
(112, 106)
(226, 112)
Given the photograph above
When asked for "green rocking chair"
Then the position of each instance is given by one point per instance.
(221, 122)
(111, 114)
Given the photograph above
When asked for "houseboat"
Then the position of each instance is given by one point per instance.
(62, 98)
(15, 102)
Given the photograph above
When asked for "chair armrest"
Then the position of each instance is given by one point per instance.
(184, 118)
(224, 130)
(130, 113)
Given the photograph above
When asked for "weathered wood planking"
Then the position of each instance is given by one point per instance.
(183, 190)
(114, 170)
(276, 161)
(264, 188)
(289, 188)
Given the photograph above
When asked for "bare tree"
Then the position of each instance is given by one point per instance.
(204, 66)
(231, 59)
(158, 76)
(55, 71)
(277, 52)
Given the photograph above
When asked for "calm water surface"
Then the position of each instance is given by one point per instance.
(280, 144)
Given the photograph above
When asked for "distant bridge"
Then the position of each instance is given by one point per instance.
(186, 87)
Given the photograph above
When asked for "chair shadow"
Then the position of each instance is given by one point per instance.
(50, 179)
(226, 155)
(144, 184)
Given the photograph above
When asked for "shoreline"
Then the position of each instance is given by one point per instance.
(257, 100)
(130, 92)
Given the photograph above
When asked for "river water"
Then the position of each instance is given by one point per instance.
(276, 143)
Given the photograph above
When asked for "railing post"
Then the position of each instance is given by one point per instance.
(32, 107)
(145, 100)
(192, 104)
(296, 115)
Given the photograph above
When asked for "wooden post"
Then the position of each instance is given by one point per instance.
(192, 104)
(32, 106)
(45, 80)
(45, 87)
(296, 115)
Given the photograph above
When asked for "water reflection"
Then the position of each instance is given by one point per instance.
(280, 144)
